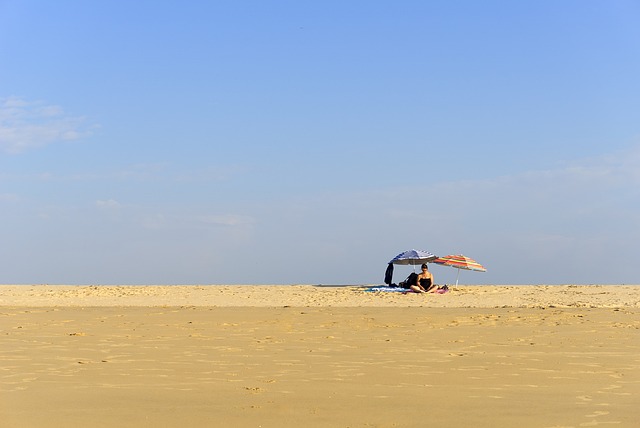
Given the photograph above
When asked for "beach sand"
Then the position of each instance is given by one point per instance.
(319, 356)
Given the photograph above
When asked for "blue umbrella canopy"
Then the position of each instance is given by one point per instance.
(413, 257)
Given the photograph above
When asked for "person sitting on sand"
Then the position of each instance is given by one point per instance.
(420, 283)
(425, 281)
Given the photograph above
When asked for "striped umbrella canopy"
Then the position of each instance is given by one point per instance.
(413, 257)
(459, 261)
(410, 257)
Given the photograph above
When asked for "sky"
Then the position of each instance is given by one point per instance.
(309, 142)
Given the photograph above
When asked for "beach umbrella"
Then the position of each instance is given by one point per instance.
(459, 261)
(413, 257)
(410, 257)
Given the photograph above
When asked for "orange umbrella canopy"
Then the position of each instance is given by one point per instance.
(459, 261)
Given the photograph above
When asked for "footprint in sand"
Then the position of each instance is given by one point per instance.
(597, 413)
(596, 423)
(584, 398)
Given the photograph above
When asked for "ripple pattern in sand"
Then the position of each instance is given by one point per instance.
(316, 361)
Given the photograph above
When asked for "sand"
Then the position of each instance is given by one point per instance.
(290, 356)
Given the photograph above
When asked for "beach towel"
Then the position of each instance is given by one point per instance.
(384, 288)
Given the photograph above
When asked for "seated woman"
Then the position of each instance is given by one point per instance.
(425, 281)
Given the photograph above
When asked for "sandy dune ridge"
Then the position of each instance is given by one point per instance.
(481, 296)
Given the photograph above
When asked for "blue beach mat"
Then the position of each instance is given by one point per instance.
(385, 288)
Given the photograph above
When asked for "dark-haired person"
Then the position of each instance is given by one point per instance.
(425, 282)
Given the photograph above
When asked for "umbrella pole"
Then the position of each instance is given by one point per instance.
(457, 276)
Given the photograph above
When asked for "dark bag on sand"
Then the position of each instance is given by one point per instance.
(388, 275)
(412, 279)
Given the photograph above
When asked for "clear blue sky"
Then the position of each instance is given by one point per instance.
(210, 142)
